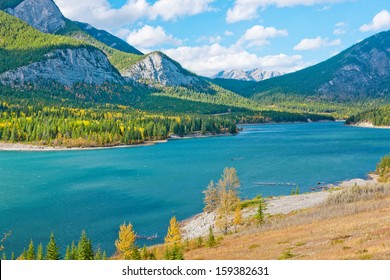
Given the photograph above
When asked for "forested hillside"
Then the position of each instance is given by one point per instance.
(378, 117)
(21, 44)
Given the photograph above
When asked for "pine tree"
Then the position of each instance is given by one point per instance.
(4, 257)
(260, 216)
(13, 256)
(52, 250)
(144, 253)
(104, 256)
(40, 252)
(125, 242)
(135, 253)
(84, 248)
(211, 242)
(31, 251)
(98, 254)
(68, 253)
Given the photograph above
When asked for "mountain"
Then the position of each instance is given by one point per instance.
(30, 56)
(251, 75)
(158, 68)
(43, 15)
(360, 72)
(108, 39)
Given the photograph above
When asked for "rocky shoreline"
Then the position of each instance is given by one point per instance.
(199, 224)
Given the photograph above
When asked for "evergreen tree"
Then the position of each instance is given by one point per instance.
(211, 242)
(68, 253)
(31, 251)
(52, 250)
(104, 256)
(98, 255)
(4, 257)
(13, 256)
(260, 216)
(40, 252)
(84, 248)
(135, 253)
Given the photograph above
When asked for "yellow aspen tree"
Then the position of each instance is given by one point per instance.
(237, 220)
(125, 242)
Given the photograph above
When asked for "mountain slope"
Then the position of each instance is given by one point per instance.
(362, 71)
(108, 39)
(45, 16)
(27, 55)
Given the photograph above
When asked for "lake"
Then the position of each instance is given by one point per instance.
(97, 190)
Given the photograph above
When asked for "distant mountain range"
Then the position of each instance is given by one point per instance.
(69, 52)
(256, 75)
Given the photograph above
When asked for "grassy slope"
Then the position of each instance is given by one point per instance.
(21, 44)
(335, 230)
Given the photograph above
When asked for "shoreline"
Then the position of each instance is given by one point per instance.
(25, 147)
(367, 124)
(199, 224)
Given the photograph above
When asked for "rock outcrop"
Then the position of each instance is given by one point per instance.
(67, 67)
(157, 68)
(43, 15)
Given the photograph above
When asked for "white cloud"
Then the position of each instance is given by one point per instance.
(341, 28)
(247, 9)
(381, 21)
(316, 43)
(258, 35)
(149, 36)
(228, 33)
(209, 59)
(101, 14)
(171, 9)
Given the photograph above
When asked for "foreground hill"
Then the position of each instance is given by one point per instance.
(360, 72)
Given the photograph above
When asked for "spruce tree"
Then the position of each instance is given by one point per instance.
(4, 257)
(40, 252)
(13, 256)
(52, 250)
(31, 251)
(84, 248)
(211, 242)
(98, 254)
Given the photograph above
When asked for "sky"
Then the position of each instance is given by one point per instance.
(208, 36)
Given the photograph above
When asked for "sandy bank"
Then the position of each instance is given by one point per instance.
(367, 124)
(36, 148)
(199, 225)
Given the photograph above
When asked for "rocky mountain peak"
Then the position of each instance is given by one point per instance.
(43, 15)
(158, 68)
(250, 75)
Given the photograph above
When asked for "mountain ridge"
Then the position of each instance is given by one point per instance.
(249, 75)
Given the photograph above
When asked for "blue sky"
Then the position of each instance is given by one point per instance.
(207, 36)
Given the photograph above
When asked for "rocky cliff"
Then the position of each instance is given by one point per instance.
(43, 15)
(66, 66)
(157, 68)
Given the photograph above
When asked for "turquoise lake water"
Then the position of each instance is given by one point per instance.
(66, 192)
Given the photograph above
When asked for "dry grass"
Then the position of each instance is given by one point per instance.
(352, 224)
